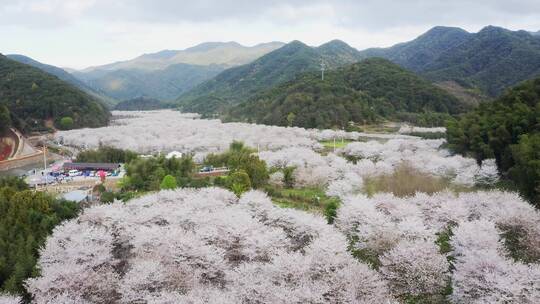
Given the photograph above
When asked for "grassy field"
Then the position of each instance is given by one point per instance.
(307, 199)
(385, 127)
(406, 181)
(329, 144)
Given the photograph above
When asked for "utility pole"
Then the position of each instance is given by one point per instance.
(323, 68)
(45, 164)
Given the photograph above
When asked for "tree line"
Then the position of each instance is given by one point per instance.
(508, 130)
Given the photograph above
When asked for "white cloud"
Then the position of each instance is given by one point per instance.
(89, 32)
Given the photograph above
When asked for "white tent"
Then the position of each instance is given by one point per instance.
(175, 154)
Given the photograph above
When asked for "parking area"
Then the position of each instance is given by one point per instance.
(67, 173)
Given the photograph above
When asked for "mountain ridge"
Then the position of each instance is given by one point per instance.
(361, 92)
(232, 54)
(478, 60)
(237, 84)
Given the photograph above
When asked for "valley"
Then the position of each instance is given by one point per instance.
(241, 152)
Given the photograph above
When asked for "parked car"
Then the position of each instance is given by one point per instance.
(73, 173)
(207, 169)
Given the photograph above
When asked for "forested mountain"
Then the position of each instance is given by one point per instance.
(166, 84)
(416, 54)
(361, 92)
(237, 84)
(228, 54)
(167, 74)
(486, 62)
(36, 99)
(492, 59)
(63, 75)
(141, 104)
(508, 130)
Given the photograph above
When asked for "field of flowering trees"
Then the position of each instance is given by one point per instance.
(469, 243)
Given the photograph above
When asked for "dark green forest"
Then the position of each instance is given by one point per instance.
(27, 219)
(34, 97)
(142, 104)
(490, 61)
(364, 92)
(508, 130)
(64, 76)
(493, 59)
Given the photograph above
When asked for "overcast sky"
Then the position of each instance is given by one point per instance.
(81, 33)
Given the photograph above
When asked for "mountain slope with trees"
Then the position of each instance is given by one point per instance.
(141, 104)
(37, 100)
(492, 60)
(167, 74)
(63, 75)
(486, 62)
(416, 54)
(166, 84)
(362, 92)
(227, 54)
(240, 83)
(508, 130)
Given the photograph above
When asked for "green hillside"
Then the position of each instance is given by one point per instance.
(362, 92)
(493, 60)
(483, 63)
(416, 54)
(65, 76)
(238, 84)
(35, 99)
(508, 130)
(141, 104)
(166, 84)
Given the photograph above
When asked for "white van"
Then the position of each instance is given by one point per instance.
(73, 173)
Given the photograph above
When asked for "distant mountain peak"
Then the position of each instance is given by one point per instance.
(293, 46)
(441, 29)
(493, 29)
(297, 43)
(336, 43)
(206, 46)
(271, 43)
(165, 54)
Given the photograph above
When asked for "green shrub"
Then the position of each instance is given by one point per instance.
(330, 211)
(168, 183)
(239, 182)
(288, 177)
(107, 197)
(66, 123)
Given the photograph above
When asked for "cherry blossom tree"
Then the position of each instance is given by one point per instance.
(482, 272)
(8, 299)
(415, 268)
(401, 232)
(198, 246)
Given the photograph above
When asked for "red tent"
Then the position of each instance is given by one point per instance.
(102, 175)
